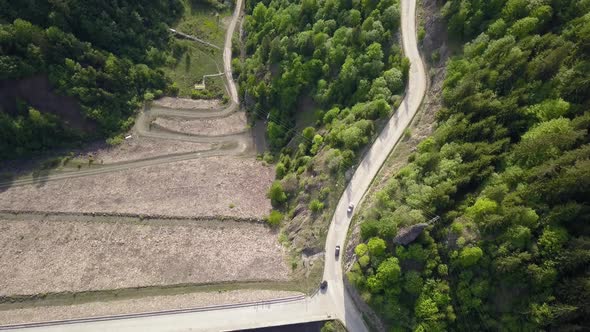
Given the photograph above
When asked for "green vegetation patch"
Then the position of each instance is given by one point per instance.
(97, 64)
(191, 60)
(188, 65)
(507, 172)
(76, 298)
(102, 58)
(324, 75)
(204, 20)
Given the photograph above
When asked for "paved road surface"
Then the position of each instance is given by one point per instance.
(372, 161)
(231, 85)
(335, 302)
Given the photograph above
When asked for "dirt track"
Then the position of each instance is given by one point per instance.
(183, 103)
(222, 145)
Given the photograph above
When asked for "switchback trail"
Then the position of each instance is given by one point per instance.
(220, 145)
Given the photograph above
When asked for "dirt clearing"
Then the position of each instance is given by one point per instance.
(184, 103)
(137, 148)
(46, 254)
(232, 124)
(214, 186)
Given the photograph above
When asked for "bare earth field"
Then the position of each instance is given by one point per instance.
(215, 186)
(40, 255)
(145, 147)
(232, 124)
(78, 249)
(145, 304)
(185, 103)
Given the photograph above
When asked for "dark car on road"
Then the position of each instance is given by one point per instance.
(350, 208)
(337, 251)
(324, 285)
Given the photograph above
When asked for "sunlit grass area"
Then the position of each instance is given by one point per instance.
(204, 22)
(207, 23)
(190, 67)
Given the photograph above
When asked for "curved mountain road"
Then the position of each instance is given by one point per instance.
(334, 302)
(231, 85)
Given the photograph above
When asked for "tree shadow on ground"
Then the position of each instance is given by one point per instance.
(6, 181)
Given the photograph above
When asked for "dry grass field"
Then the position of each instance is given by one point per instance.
(144, 147)
(74, 254)
(216, 186)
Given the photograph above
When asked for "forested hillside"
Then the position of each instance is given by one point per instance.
(337, 62)
(101, 53)
(340, 53)
(508, 172)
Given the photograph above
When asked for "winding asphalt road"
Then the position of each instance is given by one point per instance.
(335, 302)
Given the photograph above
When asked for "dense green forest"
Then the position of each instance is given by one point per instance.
(336, 62)
(340, 53)
(507, 170)
(102, 53)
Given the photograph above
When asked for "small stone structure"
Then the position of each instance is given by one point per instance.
(201, 86)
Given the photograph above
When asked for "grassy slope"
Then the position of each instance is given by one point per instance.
(202, 22)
